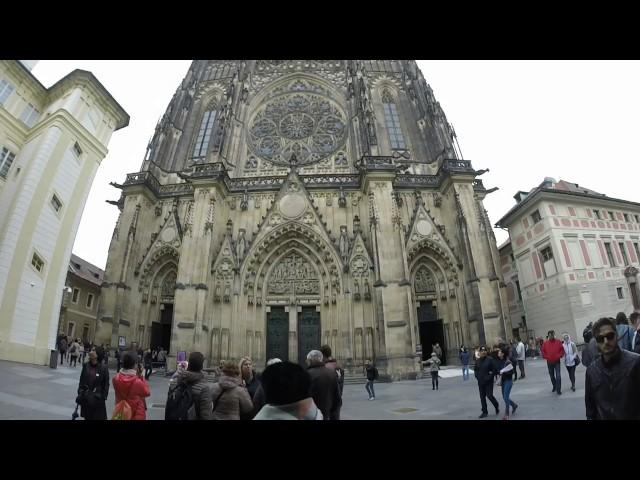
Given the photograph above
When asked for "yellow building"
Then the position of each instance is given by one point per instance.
(52, 141)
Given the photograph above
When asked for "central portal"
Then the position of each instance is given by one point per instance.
(278, 334)
(308, 332)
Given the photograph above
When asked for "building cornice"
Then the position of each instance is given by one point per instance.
(541, 194)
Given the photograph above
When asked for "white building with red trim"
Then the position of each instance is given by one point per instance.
(576, 252)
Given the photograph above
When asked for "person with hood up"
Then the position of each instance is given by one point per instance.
(287, 388)
(434, 363)
(230, 397)
(552, 352)
(571, 358)
(131, 387)
(194, 378)
(93, 388)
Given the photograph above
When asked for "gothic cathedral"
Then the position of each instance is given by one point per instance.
(283, 205)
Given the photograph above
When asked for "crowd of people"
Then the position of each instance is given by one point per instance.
(289, 391)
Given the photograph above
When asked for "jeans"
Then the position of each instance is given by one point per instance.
(506, 391)
(486, 391)
(465, 372)
(62, 354)
(74, 360)
(521, 367)
(434, 379)
(147, 372)
(369, 387)
(554, 374)
(572, 375)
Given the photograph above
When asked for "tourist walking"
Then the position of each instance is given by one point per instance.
(189, 384)
(438, 351)
(324, 386)
(464, 360)
(130, 387)
(612, 388)
(506, 381)
(287, 391)
(624, 331)
(332, 364)
(372, 376)
(118, 355)
(162, 358)
(522, 354)
(513, 357)
(74, 352)
(434, 367)
(93, 388)
(485, 371)
(571, 358)
(148, 364)
(230, 397)
(552, 352)
(62, 348)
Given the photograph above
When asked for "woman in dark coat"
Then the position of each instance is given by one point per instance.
(93, 387)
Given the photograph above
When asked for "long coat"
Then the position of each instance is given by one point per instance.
(93, 390)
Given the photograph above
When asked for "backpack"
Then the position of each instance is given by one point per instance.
(180, 403)
(587, 334)
(122, 410)
(73, 349)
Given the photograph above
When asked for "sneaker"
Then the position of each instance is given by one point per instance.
(515, 407)
(484, 415)
(573, 388)
(372, 398)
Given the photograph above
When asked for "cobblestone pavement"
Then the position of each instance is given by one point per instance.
(29, 392)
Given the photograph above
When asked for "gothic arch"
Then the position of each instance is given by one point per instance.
(155, 262)
(286, 236)
(437, 252)
(315, 275)
(166, 271)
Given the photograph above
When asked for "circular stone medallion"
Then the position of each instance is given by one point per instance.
(168, 235)
(292, 205)
(423, 227)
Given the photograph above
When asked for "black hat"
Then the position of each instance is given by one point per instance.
(285, 383)
(483, 348)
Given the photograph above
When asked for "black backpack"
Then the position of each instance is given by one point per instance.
(180, 403)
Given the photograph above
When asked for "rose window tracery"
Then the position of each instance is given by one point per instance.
(303, 123)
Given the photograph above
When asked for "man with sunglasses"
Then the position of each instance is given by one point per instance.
(613, 379)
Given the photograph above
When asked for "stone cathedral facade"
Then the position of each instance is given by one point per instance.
(283, 205)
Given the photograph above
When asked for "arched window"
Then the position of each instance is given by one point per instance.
(392, 122)
(204, 134)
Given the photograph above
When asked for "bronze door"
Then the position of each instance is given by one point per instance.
(308, 332)
(278, 334)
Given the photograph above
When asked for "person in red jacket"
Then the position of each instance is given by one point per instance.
(552, 352)
(130, 385)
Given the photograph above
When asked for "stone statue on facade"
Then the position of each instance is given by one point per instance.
(241, 245)
(344, 246)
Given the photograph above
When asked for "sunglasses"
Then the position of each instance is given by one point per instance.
(609, 336)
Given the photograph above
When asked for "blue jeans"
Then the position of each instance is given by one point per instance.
(554, 374)
(506, 391)
(369, 387)
(465, 372)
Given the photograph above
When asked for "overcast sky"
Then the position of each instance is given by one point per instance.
(524, 120)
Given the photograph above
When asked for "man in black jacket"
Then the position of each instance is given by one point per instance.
(93, 387)
(324, 386)
(612, 389)
(485, 371)
(634, 318)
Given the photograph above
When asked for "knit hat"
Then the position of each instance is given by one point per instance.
(285, 383)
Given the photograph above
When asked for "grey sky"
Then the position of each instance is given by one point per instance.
(524, 120)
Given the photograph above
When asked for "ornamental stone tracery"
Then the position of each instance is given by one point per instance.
(300, 120)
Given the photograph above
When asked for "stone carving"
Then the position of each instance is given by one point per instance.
(344, 246)
(292, 205)
(169, 285)
(252, 163)
(342, 199)
(341, 159)
(293, 275)
(241, 245)
(304, 124)
(158, 210)
(367, 290)
(424, 281)
(216, 293)
(359, 267)
(308, 218)
(356, 290)
(244, 203)
(356, 224)
(226, 298)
